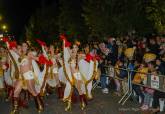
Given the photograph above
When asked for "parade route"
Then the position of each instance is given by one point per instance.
(102, 104)
(82, 56)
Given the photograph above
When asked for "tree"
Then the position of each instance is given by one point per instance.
(43, 25)
(116, 17)
(71, 21)
(97, 19)
(156, 14)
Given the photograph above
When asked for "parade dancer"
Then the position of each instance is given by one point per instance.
(23, 75)
(7, 80)
(73, 76)
(53, 79)
(3, 67)
(88, 68)
(28, 78)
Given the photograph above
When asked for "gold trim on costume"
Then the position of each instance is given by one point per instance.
(70, 81)
(91, 79)
(16, 74)
(44, 83)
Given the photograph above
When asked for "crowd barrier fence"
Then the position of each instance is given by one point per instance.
(155, 82)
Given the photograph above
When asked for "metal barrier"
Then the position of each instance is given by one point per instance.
(148, 83)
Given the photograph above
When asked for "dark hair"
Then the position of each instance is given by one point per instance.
(86, 45)
(25, 43)
(144, 63)
(30, 50)
(152, 63)
(159, 59)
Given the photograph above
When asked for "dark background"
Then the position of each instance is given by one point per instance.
(81, 19)
(16, 13)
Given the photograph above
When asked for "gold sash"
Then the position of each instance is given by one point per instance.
(16, 74)
(1, 72)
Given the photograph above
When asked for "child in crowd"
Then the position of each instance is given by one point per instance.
(121, 73)
(103, 76)
(139, 77)
(117, 83)
(148, 94)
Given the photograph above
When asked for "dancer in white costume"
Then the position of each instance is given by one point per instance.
(28, 80)
(6, 80)
(88, 68)
(15, 55)
(53, 78)
(73, 63)
(23, 62)
(3, 66)
(73, 76)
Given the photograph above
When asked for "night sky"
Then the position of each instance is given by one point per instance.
(18, 12)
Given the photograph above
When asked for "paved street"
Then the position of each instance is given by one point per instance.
(102, 104)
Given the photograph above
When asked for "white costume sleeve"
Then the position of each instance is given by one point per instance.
(44, 52)
(15, 56)
(66, 54)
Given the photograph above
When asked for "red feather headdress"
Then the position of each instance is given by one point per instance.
(41, 42)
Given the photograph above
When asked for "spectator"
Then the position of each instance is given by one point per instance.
(148, 94)
(121, 74)
(157, 95)
(103, 78)
(138, 79)
(114, 51)
(162, 49)
(154, 47)
(160, 66)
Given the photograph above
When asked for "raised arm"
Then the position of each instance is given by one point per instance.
(44, 52)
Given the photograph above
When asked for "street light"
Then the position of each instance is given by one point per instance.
(4, 27)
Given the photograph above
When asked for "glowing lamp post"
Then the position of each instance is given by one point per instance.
(4, 28)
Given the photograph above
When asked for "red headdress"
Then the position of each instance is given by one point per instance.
(41, 42)
(12, 44)
(67, 43)
(5, 39)
(89, 57)
(63, 38)
(42, 59)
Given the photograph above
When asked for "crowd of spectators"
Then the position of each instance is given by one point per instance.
(114, 59)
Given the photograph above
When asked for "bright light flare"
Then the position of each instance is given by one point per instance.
(4, 27)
